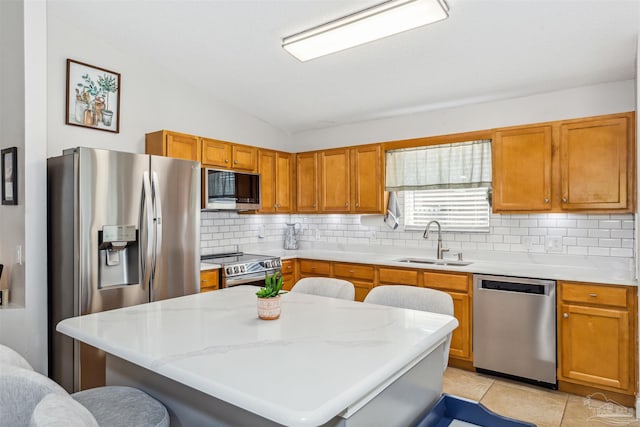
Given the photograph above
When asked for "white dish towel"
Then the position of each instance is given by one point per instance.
(392, 218)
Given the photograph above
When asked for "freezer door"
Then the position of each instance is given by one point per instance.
(110, 195)
(176, 197)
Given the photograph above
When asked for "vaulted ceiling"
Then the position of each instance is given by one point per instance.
(486, 50)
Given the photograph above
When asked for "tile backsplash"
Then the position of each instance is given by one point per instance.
(571, 234)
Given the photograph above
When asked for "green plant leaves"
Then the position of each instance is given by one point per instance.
(272, 285)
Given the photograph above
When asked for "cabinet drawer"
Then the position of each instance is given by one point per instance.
(454, 282)
(394, 276)
(594, 294)
(312, 267)
(287, 266)
(355, 271)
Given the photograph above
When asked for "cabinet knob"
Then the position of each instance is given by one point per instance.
(314, 205)
(235, 162)
(593, 295)
(226, 160)
(546, 200)
(357, 205)
(564, 200)
(275, 205)
(203, 281)
(346, 205)
(565, 315)
(278, 205)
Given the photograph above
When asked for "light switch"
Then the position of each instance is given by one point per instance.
(19, 254)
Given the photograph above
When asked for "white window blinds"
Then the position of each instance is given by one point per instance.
(462, 209)
(458, 165)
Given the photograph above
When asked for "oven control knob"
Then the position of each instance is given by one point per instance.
(243, 268)
(229, 270)
(236, 269)
(276, 263)
(267, 264)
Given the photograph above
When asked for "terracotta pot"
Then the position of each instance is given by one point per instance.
(269, 308)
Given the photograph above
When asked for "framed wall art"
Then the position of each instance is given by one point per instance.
(9, 165)
(93, 97)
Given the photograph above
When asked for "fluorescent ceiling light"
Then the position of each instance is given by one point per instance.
(383, 20)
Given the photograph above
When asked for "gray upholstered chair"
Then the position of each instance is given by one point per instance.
(326, 287)
(414, 298)
(28, 398)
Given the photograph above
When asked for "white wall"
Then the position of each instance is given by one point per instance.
(586, 101)
(151, 99)
(24, 328)
(12, 135)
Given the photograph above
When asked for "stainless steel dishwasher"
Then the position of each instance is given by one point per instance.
(514, 327)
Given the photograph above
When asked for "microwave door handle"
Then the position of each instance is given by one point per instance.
(157, 218)
(146, 220)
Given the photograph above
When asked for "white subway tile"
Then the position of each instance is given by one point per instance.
(557, 232)
(577, 250)
(519, 231)
(501, 246)
(622, 252)
(547, 223)
(528, 223)
(609, 243)
(569, 241)
(538, 231)
(587, 241)
(600, 232)
(610, 224)
(512, 239)
(599, 251)
(568, 223)
(495, 238)
(628, 225)
(622, 234)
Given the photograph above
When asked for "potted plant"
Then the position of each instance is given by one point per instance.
(108, 84)
(269, 297)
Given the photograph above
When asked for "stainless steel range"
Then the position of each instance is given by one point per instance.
(244, 269)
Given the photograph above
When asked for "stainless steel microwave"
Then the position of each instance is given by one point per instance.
(230, 190)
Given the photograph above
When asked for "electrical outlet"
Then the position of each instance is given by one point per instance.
(553, 244)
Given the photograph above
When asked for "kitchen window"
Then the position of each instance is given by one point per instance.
(450, 183)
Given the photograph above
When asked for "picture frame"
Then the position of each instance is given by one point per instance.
(9, 174)
(93, 97)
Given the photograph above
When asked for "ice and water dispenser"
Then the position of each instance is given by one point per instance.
(118, 256)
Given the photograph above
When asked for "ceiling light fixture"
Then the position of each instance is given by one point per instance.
(383, 20)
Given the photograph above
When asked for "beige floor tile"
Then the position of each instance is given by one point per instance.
(527, 403)
(582, 413)
(465, 384)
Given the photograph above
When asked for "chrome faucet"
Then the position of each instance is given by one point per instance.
(425, 235)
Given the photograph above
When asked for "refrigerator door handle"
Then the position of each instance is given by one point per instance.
(146, 223)
(157, 217)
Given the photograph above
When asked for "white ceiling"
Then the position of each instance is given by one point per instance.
(486, 50)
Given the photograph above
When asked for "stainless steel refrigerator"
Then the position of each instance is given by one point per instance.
(124, 229)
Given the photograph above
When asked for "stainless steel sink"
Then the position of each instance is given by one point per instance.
(434, 261)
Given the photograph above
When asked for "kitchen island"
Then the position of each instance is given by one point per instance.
(326, 361)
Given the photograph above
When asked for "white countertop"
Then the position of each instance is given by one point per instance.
(541, 266)
(205, 265)
(321, 356)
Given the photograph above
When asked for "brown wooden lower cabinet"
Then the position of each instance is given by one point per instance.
(361, 275)
(288, 273)
(209, 280)
(313, 268)
(597, 336)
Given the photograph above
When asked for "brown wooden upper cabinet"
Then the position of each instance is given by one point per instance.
(594, 164)
(307, 182)
(585, 165)
(342, 180)
(227, 155)
(522, 169)
(367, 186)
(173, 144)
(276, 176)
(335, 181)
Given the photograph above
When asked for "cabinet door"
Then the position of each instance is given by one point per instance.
(522, 170)
(288, 274)
(182, 146)
(461, 337)
(284, 201)
(244, 157)
(313, 268)
(216, 153)
(334, 181)
(268, 186)
(367, 185)
(209, 280)
(595, 346)
(594, 164)
(307, 182)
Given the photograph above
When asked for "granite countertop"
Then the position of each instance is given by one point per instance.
(337, 351)
(542, 266)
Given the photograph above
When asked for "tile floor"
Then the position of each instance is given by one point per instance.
(542, 407)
